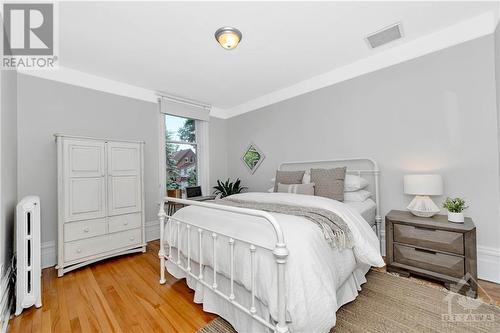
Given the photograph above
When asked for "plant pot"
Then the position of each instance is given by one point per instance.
(456, 217)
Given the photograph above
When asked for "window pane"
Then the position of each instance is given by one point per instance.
(181, 166)
(180, 129)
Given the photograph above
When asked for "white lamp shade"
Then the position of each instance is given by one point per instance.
(423, 184)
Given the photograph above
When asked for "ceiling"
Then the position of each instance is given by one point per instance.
(170, 47)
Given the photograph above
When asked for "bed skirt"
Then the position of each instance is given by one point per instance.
(242, 322)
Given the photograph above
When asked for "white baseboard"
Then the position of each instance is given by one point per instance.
(152, 231)
(49, 253)
(488, 263)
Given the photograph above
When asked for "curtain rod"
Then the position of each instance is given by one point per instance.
(183, 101)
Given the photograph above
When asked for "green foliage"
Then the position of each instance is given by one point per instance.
(456, 205)
(228, 188)
(192, 177)
(251, 157)
(187, 132)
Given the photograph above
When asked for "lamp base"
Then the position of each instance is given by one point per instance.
(423, 206)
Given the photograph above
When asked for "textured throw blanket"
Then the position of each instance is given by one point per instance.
(335, 230)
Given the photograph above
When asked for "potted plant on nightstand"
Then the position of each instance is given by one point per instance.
(455, 208)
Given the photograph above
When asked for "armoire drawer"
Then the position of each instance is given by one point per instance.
(100, 244)
(84, 229)
(124, 222)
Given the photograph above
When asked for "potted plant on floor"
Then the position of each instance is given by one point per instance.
(455, 208)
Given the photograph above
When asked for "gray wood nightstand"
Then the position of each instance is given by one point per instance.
(432, 247)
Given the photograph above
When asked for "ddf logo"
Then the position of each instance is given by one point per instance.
(28, 39)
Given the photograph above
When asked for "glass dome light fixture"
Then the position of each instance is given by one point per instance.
(228, 37)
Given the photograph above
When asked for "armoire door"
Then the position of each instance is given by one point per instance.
(84, 167)
(124, 178)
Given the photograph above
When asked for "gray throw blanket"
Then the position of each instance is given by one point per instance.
(335, 230)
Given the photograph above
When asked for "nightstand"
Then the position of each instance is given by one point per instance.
(433, 248)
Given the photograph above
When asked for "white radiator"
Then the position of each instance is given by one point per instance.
(28, 284)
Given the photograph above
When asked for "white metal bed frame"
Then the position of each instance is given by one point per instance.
(279, 251)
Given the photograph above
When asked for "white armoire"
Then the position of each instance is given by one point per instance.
(100, 200)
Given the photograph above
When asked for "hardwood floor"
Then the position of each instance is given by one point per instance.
(123, 295)
(116, 295)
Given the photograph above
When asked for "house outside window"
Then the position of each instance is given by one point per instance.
(181, 148)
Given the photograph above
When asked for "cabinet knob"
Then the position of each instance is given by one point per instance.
(125, 223)
(86, 229)
(132, 238)
(78, 250)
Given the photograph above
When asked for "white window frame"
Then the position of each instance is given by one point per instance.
(200, 114)
(163, 156)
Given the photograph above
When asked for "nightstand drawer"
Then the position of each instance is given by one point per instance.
(439, 240)
(433, 261)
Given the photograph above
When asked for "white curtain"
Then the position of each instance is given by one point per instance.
(202, 138)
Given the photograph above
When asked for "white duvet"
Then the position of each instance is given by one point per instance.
(314, 271)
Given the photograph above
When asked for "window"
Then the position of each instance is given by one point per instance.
(181, 148)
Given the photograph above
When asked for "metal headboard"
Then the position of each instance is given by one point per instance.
(355, 166)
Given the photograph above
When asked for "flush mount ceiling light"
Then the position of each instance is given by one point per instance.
(228, 37)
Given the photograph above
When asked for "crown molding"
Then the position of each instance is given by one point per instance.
(464, 31)
(99, 83)
(85, 80)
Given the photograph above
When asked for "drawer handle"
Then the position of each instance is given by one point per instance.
(125, 223)
(132, 238)
(78, 250)
(425, 251)
(424, 228)
(86, 229)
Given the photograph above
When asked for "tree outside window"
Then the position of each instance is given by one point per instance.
(181, 147)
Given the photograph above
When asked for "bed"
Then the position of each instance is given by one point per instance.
(268, 271)
(367, 209)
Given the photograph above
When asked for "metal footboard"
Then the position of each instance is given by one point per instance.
(279, 251)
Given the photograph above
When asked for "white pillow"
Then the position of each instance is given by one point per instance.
(357, 196)
(354, 183)
(307, 189)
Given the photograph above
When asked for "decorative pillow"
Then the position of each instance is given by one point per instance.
(329, 183)
(307, 189)
(358, 196)
(354, 183)
(288, 177)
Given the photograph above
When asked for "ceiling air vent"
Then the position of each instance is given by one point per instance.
(385, 35)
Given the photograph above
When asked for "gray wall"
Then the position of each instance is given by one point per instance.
(8, 195)
(47, 107)
(218, 150)
(497, 81)
(436, 113)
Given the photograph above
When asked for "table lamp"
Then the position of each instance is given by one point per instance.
(423, 186)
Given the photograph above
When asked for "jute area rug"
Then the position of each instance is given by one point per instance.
(389, 303)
